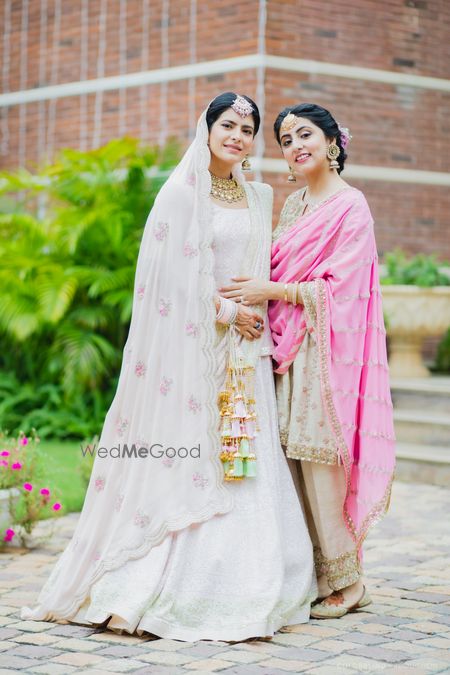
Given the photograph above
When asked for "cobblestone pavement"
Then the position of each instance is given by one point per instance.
(406, 630)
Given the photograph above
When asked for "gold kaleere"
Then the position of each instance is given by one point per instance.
(238, 419)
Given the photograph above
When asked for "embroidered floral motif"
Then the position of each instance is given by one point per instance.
(190, 180)
(200, 481)
(99, 483)
(141, 519)
(97, 555)
(122, 426)
(161, 230)
(142, 444)
(194, 405)
(140, 292)
(165, 385)
(189, 251)
(192, 329)
(168, 461)
(164, 307)
(140, 369)
(118, 502)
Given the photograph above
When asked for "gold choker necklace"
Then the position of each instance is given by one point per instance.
(226, 189)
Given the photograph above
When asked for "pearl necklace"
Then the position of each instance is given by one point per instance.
(226, 189)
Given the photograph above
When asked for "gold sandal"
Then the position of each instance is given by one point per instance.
(333, 607)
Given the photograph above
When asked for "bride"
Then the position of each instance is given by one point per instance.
(164, 543)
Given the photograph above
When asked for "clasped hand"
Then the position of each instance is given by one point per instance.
(246, 291)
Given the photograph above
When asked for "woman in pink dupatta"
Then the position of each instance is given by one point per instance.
(332, 377)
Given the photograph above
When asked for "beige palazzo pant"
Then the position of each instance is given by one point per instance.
(314, 461)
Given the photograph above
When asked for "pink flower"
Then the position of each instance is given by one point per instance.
(3, 462)
(27, 486)
(56, 506)
(24, 440)
(16, 465)
(9, 534)
(45, 491)
(4, 453)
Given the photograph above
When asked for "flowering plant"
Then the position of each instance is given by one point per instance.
(21, 474)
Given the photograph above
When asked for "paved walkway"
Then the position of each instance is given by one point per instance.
(405, 631)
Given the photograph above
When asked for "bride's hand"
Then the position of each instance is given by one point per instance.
(249, 324)
(247, 291)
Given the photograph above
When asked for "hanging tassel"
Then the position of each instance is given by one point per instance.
(237, 414)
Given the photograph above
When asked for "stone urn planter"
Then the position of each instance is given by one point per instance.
(6, 497)
(412, 314)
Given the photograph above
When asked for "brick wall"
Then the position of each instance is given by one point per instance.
(397, 126)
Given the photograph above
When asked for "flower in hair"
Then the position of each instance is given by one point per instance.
(346, 136)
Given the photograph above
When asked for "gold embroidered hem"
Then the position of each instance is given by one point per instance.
(340, 572)
(311, 454)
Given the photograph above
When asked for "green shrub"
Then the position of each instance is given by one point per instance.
(420, 270)
(69, 239)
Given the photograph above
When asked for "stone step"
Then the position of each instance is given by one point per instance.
(423, 464)
(422, 427)
(423, 394)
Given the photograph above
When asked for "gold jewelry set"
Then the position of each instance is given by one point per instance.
(292, 293)
(333, 151)
(226, 189)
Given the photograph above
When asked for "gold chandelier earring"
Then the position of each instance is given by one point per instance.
(246, 166)
(333, 153)
(291, 178)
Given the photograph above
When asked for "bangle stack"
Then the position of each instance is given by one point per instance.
(227, 311)
(292, 293)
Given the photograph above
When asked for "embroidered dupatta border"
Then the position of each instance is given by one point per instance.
(380, 508)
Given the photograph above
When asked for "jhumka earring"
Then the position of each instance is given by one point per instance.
(246, 166)
(291, 177)
(333, 153)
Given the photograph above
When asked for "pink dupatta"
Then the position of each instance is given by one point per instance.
(332, 252)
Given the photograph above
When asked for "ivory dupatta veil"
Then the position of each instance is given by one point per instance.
(332, 253)
(155, 543)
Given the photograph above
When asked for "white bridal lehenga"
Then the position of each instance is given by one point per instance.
(245, 573)
(169, 547)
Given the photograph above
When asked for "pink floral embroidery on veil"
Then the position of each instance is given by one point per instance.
(122, 426)
(99, 483)
(118, 502)
(161, 231)
(165, 385)
(140, 369)
(189, 251)
(194, 405)
(140, 291)
(199, 480)
(141, 519)
(164, 307)
(192, 329)
(190, 180)
(168, 461)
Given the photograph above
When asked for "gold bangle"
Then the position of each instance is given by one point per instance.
(285, 292)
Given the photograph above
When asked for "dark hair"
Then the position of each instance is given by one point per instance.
(225, 101)
(322, 118)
